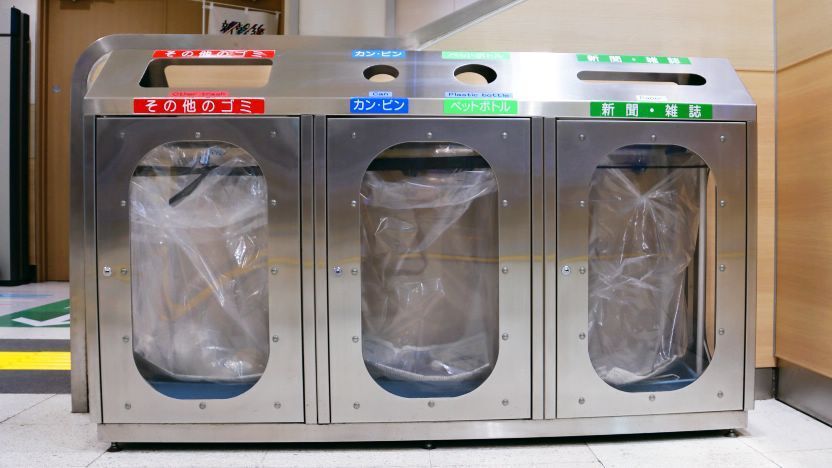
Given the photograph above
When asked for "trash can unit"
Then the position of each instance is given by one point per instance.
(306, 239)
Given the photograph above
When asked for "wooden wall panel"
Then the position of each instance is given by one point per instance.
(802, 30)
(804, 215)
(740, 30)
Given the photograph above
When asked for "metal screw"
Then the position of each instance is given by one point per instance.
(354, 135)
(202, 405)
(429, 135)
(565, 270)
(581, 336)
(582, 204)
(355, 339)
(431, 404)
(504, 270)
(125, 339)
(505, 337)
(582, 270)
(356, 405)
(721, 331)
(722, 203)
(722, 267)
(353, 203)
(354, 271)
(275, 338)
(123, 271)
(652, 398)
(273, 203)
(504, 203)
(108, 271)
(504, 135)
(123, 203)
(505, 402)
(122, 135)
(722, 138)
(652, 137)
(197, 135)
(719, 394)
(277, 405)
(581, 400)
(274, 270)
(127, 406)
(273, 133)
(582, 137)
(337, 270)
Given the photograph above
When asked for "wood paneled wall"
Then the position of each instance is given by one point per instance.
(740, 30)
(804, 185)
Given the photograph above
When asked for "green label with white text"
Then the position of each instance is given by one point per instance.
(656, 59)
(480, 106)
(651, 110)
(465, 55)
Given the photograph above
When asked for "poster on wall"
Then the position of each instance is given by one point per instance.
(241, 22)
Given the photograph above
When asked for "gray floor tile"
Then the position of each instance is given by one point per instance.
(543, 454)
(774, 427)
(163, 457)
(357, 457)
(802, 458)
(12, 404)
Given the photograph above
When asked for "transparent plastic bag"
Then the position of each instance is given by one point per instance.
(644, 226)
(198, 239)
(429, 276)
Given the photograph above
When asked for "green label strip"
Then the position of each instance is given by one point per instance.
(651, 110)
(480, 106)
(463, 55)
(602, 58)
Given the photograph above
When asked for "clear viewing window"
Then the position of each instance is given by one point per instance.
(198, 242)
(429, 270)
(651, 262)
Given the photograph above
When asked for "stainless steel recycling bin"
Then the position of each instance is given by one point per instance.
(305, 239)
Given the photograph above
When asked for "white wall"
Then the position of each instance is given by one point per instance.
(342, 18)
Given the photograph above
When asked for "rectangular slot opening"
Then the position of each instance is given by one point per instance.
(207, 73)
(682, 79)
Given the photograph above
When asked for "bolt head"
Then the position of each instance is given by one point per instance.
(721, 331)
(337, 270)
(581, 137)
(652, 398)
(431, 404)
(566, 270)
(581, 400)
(504, 203)
(123, 271)
(652, 137)
(125, 339)
(429, 135)
(353, 203)
(277, 405)
(722, 203)
(504, 270)
(355, 339)
(719, 394)
(582, 270)
(123, 203)
(356, 405)
(273, 133)
(127, 406)
(504, 337)
(273, 203)
(722, 267)
(202, 405)
(197, 135)
(354, 271)
(581, 336)
(107, 271)
(505, 402)
(354, 135)
(274, 270)
(504, 135)
(582, 204)
(722, 138)
(275, 338)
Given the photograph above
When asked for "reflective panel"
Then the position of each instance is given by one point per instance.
(198, 240)
(651, 263)
(429, 270)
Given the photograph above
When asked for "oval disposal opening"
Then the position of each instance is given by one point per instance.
(381, 73)
(475, 74)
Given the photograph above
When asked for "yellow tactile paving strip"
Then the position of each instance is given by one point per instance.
(34, 360)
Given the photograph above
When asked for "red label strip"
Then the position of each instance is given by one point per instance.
(205, 53)
(186, 106)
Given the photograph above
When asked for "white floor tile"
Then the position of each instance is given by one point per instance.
(11, 404)
(802, 458)
(513, 455)
(774, 427)
(358, 457)
(163, 457)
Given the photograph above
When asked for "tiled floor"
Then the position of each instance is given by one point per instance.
(38, 430)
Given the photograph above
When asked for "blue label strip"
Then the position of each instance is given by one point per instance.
(376, 105)
(379, 53)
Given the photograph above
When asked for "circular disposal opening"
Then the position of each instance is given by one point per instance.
(475, 74)
(381, 73)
